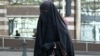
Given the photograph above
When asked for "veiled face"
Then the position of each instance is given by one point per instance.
(44, 8)
(44, 11)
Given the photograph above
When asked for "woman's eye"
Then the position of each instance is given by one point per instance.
(44, 10)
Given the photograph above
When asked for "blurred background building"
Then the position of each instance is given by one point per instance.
(22, 15)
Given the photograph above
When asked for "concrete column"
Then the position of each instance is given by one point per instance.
(63, 8)
(78, 19)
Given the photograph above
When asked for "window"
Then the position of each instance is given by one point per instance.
(24, 2)
(90, 20)
(58, 4)
(25, 25)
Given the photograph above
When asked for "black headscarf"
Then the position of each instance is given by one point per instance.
(51, 28)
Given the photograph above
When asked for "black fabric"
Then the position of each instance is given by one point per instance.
(51, 29)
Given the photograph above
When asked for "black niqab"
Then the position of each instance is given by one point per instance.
(51, 28)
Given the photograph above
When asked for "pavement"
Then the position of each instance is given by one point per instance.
(19, 52)
(14, 53)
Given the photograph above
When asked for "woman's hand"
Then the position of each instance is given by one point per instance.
(49, 45)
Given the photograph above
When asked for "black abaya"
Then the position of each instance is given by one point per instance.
(51, 29)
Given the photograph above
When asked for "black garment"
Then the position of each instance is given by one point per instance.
(51, 29)
(17, 35)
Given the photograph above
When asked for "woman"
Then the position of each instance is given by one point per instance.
(52, 31)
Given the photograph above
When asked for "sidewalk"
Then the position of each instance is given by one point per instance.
(19, 53)
(14, 53)
(90, 53)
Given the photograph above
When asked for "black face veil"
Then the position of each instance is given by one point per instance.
(51, 28)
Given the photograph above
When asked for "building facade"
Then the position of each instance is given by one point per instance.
(22, 15)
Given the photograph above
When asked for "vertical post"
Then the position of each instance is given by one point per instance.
(63, 8)
(86, 46)
(24, 48)
(68, 7)
(59, 6)
(52, 0)
(3, 42)
(78, 18)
